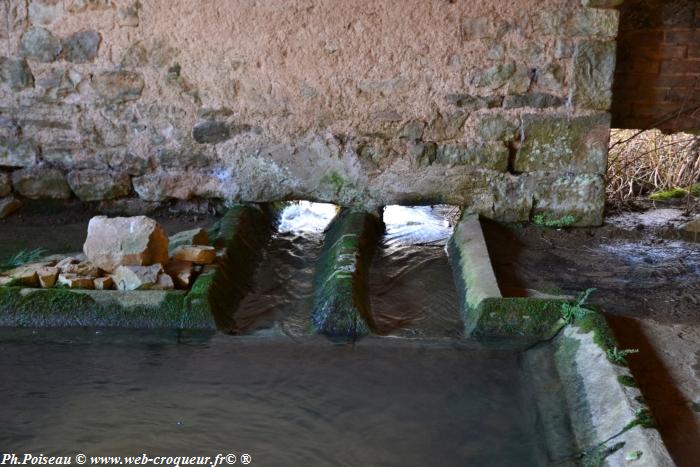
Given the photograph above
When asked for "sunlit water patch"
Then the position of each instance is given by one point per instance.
(411, 283)
(283, 284)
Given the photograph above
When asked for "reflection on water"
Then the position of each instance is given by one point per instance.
(411, 283)
(283, 285)
(309, 403)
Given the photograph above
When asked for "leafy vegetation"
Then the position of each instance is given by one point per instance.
(576, 311)
(619, 356)
(21, 258)
(557, 223)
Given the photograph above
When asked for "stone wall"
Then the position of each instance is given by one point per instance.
(657, 83)
(501, 106)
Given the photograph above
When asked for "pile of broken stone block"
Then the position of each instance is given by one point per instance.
(123, 253)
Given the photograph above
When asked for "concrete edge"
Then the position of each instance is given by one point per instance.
(341, 304)
(605, 412)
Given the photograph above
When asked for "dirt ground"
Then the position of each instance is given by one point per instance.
(648, 283)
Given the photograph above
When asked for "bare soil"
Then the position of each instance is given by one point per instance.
(647, 280)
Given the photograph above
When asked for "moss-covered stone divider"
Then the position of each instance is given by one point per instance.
(485, 311)
(244, 231)
(209, 303)
(588, 409)
(341, 308)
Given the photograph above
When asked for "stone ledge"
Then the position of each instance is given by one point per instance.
(341, 290)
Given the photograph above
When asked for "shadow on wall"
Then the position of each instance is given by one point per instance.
(657, 80)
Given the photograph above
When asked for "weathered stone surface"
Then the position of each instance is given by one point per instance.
(594, 69)
(15, 73)
(44, 12)
(181, 159)
(119, 86)
(74, 281)
(470, 103)
(165, 282)
(491, 155)
(137, 277)
(104, 283)
(561, 143)
(47, 276)
(585, 22)
(602, 3)
(161, 185)
(138, 241)
(41, 182)
(197, 254)
(78, 6)
(446, 126)
(182, 273)
(15, 153)
(40, 45)
(127, 207)
(81, 47)
(211, 132)
(28, 274)
(5, 185)
(550, 78)
(569, 199)
(98, 185)
(197, 236)
(128, 16)
(80, 268)
(9, 205)
(482, 28)
(534, 100)
(496, 127)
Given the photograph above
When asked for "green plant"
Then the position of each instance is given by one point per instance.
(546, 221)
(642, 418)
(619, 356)
(23, 257)
(575, 311)
(627, 380)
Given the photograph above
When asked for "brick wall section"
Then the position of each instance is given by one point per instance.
(657, 81)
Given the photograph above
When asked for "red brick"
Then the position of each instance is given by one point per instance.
(682, 36)
(683, 95)
(641, 38)
(640, 65)
(694, 51)
(681, 67)
(662, 51)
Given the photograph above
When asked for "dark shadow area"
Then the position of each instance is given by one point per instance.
(674, 417)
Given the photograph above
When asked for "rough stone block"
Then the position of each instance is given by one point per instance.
(197, 236)
(602, 3)
(98, 185)
(488, 156)
(15, 153)
(15, 73)
(563, 143)
(533, 100)
(81, 47)
(197, 254)
(567, 199)
(41, 182)
(594, 69)
(9, 205)
(496, 127)
(5, 185)
(118, 86)
(39, 44)
(137, 241)
(137, 277)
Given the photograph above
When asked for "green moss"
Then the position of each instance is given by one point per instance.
(668, 194)
(602, 335)
(597, 456)
(642, 418)
(515, 317)
(548, 221)
(341, 285)
(627, 380)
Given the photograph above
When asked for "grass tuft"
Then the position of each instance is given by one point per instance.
(21, 258)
